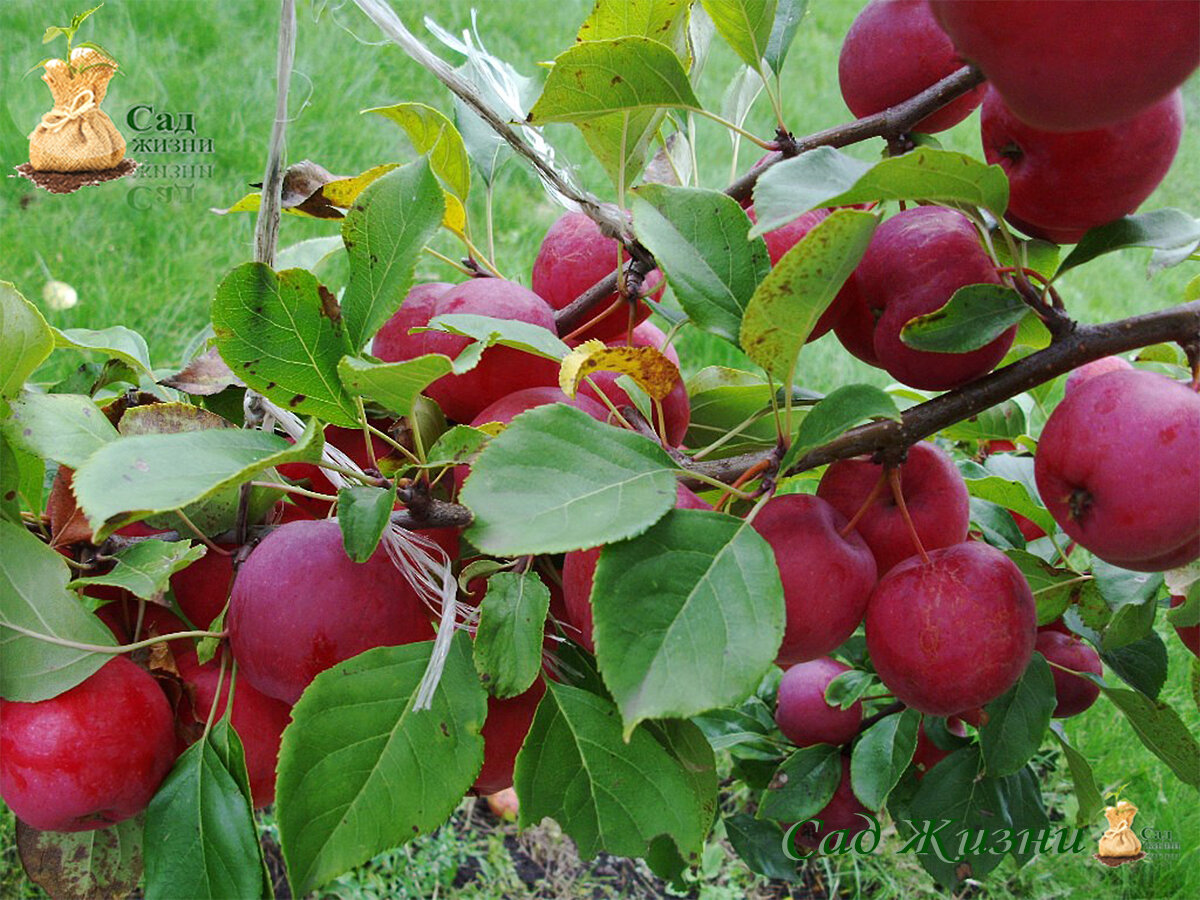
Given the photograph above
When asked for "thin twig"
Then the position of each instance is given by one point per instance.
(266, 229)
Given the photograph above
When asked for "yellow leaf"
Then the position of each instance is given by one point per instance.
(654, 373)
(345, 191)
(455, 218)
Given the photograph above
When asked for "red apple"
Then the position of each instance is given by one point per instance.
(1088, 371)
(1117, 467)
(802, 713)
(501, 371)
(300, 605)
(935, 496)
(91, 756)
(1071, 65)
(258, 719)
(893, 51)
(575, 255)
(1074, 693)
(503, 733)
(928, 754)
(827, 577)
(914, 263)
(952, 633)
(1063, 184)
(202, 589)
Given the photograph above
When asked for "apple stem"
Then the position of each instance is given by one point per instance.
(866, 504)
(751, 473)
(893, 476)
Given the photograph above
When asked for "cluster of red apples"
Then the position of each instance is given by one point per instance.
(950, 622)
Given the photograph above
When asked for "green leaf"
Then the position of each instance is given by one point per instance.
(458, 445)
(1141, 664)
(25, 340)
(1013, 495)
(145, 568)
(759, 844)
(361, 771)
(1054, 589)
(363, 514)
(117, 342)
(664, 599)
(998, 528)
(385, 231)
(283, 335)
(1162, 229)
(1022, 794)
(33, 597)
(67, 428)
(787, 19)
(609, 794)
(1130, 596)
(1017, 720)
(847, 688)
(1004, 421)
(954, 789)
(1161, 730)
(161, 472)
(828, 177)
(1087, 794)
(598, 77)
(723, 400)
(698, 237)
(745, 25)
(973, 317)
(727, 729)
(785, 307)
(846, 407)
(508, 332)
(79, 865)
(556, 480)
(508, 641)
(201, 832)
(22, 480)
(433, 135)
(803, 784)
(232, 754)
(396, 385)
(881, 756)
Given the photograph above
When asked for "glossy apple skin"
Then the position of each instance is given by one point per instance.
(677, 412)
(90, 757)
(1117, 467)
(1096, 367)
(202, 589)
(934, 494)
(894, 50)
(501, 371)
(503, 732)
(1189, 634)
(579, 570)
(801, 711)
(1074, 693)
(1073, 65)
(827, 578)
(258, 719)
(914, 263)
(300, 605)
(1064, 184)
(844, 811)
(954, 633)
(574, 255)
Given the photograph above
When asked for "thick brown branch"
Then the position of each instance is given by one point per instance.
(889, 123)
(1086, 343)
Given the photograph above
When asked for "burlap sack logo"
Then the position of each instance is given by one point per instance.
(76, 143)
(1119, 844)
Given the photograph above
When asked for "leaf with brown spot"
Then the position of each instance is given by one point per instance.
(204, 376)
(654, 372)
(169, 418)
(84, 865)
(68, 525)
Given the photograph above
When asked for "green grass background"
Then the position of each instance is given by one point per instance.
(148, 254)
